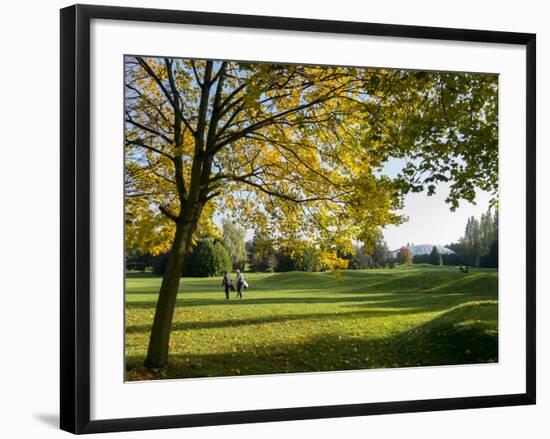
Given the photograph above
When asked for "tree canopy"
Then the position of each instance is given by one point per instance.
(298, 150)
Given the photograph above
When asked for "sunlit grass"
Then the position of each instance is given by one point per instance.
(297, 322)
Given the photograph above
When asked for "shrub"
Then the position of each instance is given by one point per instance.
(208, 258)
(136, 260)
(159, 262)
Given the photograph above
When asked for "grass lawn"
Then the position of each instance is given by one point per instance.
(295, 322)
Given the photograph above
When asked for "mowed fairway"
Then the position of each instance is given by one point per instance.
(298, 322)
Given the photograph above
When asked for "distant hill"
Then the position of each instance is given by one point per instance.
(424, 249)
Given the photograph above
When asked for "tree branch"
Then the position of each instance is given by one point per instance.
(170, 98)
(196, 73)
(164, 210)
(214, 117)
(150, 148)
(263, 123)
(277, 194)
(148, 129)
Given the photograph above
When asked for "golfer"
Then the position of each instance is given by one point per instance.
(227, 283)
(240, 284)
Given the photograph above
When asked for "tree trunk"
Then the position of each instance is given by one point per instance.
(191, 204)
(157, 354)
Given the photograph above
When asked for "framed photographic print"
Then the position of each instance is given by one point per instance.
(268, 218)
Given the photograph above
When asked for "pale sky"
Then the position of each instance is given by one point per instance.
(431, 221)
(430, 218)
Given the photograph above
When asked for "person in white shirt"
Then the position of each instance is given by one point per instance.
(240, 284)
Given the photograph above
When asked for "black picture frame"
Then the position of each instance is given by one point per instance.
(75, 217)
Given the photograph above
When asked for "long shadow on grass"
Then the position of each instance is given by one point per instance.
(369, 308)
(466, 334)
(394, 299)
(278, 318)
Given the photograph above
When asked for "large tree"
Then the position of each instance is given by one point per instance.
(233, 241)
(477, 246)
(380, 252)
(360, 259)
(488, 231)
(296, 150)
(435, 256)
(471, 242)
(405, 256)
(262, 253)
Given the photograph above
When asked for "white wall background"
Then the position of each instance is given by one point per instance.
(29, 200)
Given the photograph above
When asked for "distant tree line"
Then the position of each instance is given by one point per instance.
(211, 256)
(479, 245)
(437, 258)
(265, 256)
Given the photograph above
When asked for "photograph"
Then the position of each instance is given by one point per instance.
(295, 218)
